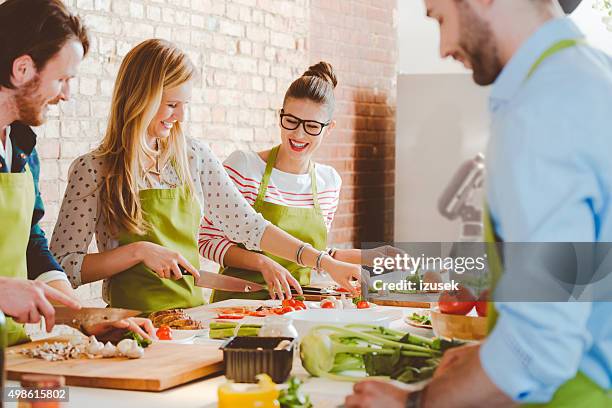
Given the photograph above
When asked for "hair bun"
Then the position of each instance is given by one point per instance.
(322, 70)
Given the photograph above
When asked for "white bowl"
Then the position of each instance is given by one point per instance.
(305, 320)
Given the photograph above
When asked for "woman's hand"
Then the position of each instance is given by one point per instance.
(386, 251)
(116, 330)
(164, 262)
(342, 273)
(278, 279)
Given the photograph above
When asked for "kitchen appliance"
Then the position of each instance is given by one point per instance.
(455, 199)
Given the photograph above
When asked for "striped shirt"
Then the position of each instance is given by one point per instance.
(246, 170)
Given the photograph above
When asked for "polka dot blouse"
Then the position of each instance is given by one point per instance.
(79, 217)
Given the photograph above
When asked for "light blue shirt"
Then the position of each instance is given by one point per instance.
(549, 166)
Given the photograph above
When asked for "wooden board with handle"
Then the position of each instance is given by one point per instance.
(163, 366)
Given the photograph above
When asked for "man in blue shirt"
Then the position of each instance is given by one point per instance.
(549, 180)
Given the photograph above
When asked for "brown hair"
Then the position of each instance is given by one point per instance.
(38, 28)
(317, 84)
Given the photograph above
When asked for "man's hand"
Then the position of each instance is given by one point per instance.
(115, 331)
(374, 394)
(26, 301)
(456, 357)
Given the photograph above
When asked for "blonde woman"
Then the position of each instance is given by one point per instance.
(288, 188)
(144, 190)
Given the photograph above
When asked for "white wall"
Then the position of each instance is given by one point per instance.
(442, 120)
(419, 39)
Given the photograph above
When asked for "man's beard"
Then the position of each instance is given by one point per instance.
(31, 104)
(478, 43)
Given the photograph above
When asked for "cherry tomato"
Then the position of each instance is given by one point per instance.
(230, 317)
(342, 290)
(458, 302)
(299, 305)
(327, 304)
(164, 333)
(363, 304)
(278, 311)
(257, 314)
(288, 309)
(288, 302)
(482, 303)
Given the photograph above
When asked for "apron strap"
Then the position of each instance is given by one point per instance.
(555, 48)
(265, 180)
(313, 186)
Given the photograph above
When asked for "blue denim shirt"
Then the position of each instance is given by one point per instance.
(549, 167)
(39, 258)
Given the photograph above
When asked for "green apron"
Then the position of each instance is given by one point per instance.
(174, 218)
(16, 209)
(305, 224)
(580, 391)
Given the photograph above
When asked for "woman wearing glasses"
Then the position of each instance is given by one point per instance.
(288, 188)
(143, 192)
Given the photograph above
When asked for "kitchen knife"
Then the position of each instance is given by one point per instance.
(91, 316)
(212, 280)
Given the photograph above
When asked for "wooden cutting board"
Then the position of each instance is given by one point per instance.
(163, 366)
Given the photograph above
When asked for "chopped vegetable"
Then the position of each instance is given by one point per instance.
(420, 318)
(293, 397)
(363, 304)
(230, 317)
(164, 333)
(327, 351)
(141, 341)
(225, 330)
(328, 304)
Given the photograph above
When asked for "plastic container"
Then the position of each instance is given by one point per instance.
(246, 357)
(278, 326)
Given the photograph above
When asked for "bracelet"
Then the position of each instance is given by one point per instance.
(319, 259)
(332, 252)
(298, 255)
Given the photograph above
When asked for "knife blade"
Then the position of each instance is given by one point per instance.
(212, 280)
(90, 316)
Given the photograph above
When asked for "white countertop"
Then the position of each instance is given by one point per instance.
(203, 393)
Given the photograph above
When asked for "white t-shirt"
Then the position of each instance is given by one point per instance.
(246, 170)
(6, 150)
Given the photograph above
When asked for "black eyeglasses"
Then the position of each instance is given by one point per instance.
(312, 127)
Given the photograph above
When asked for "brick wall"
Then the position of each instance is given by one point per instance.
(248, 52)
(360, 39)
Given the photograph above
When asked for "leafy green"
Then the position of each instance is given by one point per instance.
(141, 341)
(421, 319)
(293, 397)
(329, 351)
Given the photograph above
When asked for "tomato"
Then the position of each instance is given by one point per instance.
(288, 309)
(164, 333)
(278, 311)
(458, 302)
(327, 304)
(363, 304)
(289, 302)
(482, 303)
(342, 290)
(257, 314)
(230, 317)
(299, 305)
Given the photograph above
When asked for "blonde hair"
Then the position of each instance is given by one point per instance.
(146, 71)
(317, 84)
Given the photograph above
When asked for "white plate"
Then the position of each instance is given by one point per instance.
(304, 320)
(317, 305)
(180, 337)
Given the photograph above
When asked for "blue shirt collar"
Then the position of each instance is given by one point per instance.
(516, 70)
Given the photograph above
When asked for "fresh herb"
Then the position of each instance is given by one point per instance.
(420, 318)
(327, 351)
(141, 341)
(293, 397)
